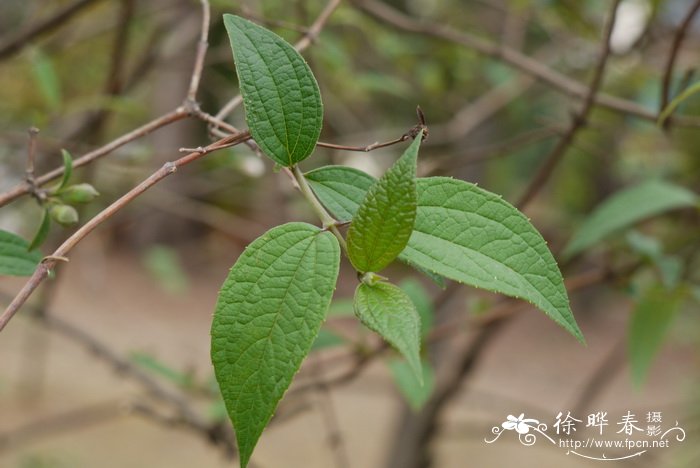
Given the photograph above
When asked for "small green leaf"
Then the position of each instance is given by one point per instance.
(67, 170)
(387, 310)
(650, 320)
(159, 368)
(383, 223)
(473, 236)
(164, 264)
(42, 232)
(15, 257)
(415, 394)
(341, 189)
(689, 91)
(281, 97)
(268, 314)
(420, 298)
(626, 208)
(326, 339)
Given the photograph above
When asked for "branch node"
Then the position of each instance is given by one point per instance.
(170, 167)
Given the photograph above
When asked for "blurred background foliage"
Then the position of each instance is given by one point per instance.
(117, 64)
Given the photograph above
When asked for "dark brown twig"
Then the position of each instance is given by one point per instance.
(578, 122)
(673, 54)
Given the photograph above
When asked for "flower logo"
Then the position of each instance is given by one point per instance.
(519, 424)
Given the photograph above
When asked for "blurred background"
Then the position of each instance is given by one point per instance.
(108, 364)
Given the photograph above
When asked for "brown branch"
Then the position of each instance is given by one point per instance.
(670, 63)
(59, 254)
(579, 121)
(23, 188)
(17, 42)
(202, 47)
(511, 57)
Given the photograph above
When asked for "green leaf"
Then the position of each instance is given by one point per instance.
(155, 366)
(67, 170)
(15, 257)
(341, 189)
(689, 91)
(281, 96)
(165, 265)
(626, 208)
(46, 78)
(268, 314)
(650, 320)
(326, 339)
(42, 232)
(387, 310)
(473, 236)
(415, 394)
(383, 223)
(420, 298)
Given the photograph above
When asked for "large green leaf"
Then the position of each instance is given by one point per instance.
(650, 320)
(15, 257)
(282, 100)
(473, 236)
(268, 314)
(471, 216)
(383, 223)
(386, 309)
(627, 207)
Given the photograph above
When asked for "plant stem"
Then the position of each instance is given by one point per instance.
(328, 221)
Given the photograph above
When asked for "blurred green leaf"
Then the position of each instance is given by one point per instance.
(326, 339)
(420, 298)
(46, 78)
(415, 394)
(164, 264)
(626, 208)
(42, 232)
(650, 320)
(677, 101)
(157, 367)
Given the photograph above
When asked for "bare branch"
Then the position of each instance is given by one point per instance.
(202, 47)
(50, 261)
(578, 122)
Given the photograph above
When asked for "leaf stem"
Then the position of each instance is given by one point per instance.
(328, 221)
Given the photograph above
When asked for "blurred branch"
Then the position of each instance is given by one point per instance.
(673, 54)
(202, 46)
(577, 123)
(525, 64)
(14, 44)
(42, 271)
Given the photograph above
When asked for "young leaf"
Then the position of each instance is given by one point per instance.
(46, 78)
(15, 257)
(627, 207)
(67, 170)
(42, 232)
(383, 223)
(387, 310)
(268, 314)
(415, 394)
(280, 94)
(650, 320)
(473, 236)
(341, 189)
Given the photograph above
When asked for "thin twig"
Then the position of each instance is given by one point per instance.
(670, 63)
(512, 57)
(166, 119)
(17, 42)
(577, 123)
(31, 157)
(50, 261)
(202, 47)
